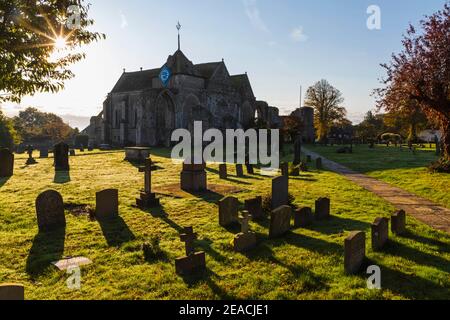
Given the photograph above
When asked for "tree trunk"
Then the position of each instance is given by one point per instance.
(446, 138)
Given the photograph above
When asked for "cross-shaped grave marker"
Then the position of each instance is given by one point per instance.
(244, 221)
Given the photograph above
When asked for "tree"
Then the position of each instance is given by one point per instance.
(371, 127)
(421, 73)
(292, 127)
(326, 101)
(8, 135)
(30, 31)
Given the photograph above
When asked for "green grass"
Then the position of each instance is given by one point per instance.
(305, 264)
(399, 167)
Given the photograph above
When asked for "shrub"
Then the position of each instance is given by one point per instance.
(267, 202)
(152, 250)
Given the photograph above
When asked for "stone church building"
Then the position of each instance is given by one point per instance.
(146, 106)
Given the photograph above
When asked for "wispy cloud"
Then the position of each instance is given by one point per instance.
(252, 11)
(298, 35)
(123, 21)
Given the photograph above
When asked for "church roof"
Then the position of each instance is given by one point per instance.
(134, 81)
(239, 80)
(206, 70)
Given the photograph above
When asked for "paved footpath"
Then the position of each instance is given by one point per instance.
(422, 209)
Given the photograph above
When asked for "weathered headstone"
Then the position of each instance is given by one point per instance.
(380, 233)
(322, 211)
(254, 207)
(319, 164)
(148, 198)
(43, 153)
(50, 211)
(193, 177)
(245, 240)
(354, 251)
(6, 163)
(398, 222)
(303, 217)
(12, 292)
(223, 171)
(284, 169)
(280, 191)
(239, 170)
(107, 204)
(72, 152)
(193, 261)
(228, 211)
(280, 221)
(61, 155)
(250, 169)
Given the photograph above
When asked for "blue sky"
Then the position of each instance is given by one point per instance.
(282, 44)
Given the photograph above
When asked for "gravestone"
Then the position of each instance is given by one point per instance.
(61, 155)
(284, 169)
(245, 240)
(30, 159)
(354, 251)
(280, 221)
(303, 217)
(223, 171)
(297, 150)
(90, 148)
(43, 153)
(50, 211)
(12, 292)
(239, 171)
(322, 209)
(193, 261)
(81, 149)
(148, 198)
(254, 207)
(6, 163)
(228, 211)
(72, 152)
(250, 169)
(193, 177)
(107, 204)
(398, 222)
(280, 191)
(319, 164)
(380, 233)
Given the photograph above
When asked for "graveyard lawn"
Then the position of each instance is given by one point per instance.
(399, 167)
(303, 264)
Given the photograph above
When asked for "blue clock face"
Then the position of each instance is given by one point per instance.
(165, 75)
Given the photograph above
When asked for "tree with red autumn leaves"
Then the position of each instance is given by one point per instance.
(421, 73)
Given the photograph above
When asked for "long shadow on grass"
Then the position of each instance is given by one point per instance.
(206, 245)
(208, 196)
(47, 248)
(160, 213)
(336, 224)
(409, 286)
(62, 177)
(398, 249)
(3, 181)
(442, 247)
(116, 231)
(207, 277)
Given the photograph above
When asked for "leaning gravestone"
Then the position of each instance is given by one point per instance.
(322, 209)
(245, 240)
(398, 222)
(354, 251)
(50, 211)
(107, 204)
(254, 207)
(228, 211)
(280, 191)
(303, 217)
(380, 233)
(61, 154)
(280, 221)
(193, 261)
(6, 163)
(239, 170)
(223, 171)
(12, 292)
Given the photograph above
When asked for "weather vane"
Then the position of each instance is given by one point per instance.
(178, 28)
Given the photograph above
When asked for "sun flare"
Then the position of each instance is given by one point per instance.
(60, 43)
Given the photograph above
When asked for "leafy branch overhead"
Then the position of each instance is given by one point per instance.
(29, 33)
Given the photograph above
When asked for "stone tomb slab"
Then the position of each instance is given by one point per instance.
(107, 204)
(380, 233)
(303, 217)
(12, 292)
(50, 211)
(280, 221)
(67, 263)
(354, 252)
